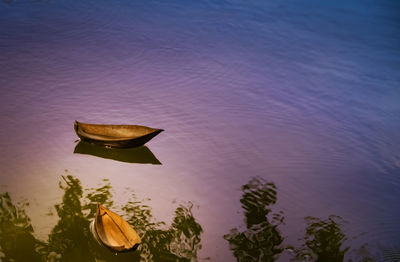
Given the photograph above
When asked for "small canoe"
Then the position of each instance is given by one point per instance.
(119, 136)
(114, 232)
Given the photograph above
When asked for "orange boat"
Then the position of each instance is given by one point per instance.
(119, 136)
(113, 231)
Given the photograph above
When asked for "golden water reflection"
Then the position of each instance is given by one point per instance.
(71, 239)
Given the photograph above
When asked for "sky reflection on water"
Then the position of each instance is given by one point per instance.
(303, 95)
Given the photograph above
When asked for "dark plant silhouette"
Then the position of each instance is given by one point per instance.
(68, 237)
(71, 239)
(17, 242)
(376, 253)
(324, 240)
(262, 240)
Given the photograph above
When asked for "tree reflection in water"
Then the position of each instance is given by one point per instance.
(17, 242)
(262, 240)
(71, 239)
(323, 241)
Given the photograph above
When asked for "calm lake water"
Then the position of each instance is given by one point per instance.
(282, 124)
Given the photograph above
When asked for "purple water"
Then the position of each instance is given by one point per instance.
(303, 94)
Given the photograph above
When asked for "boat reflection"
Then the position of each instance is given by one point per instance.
(71, 239)
(140, 155)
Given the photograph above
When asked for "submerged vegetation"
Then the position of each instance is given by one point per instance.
(71, 239)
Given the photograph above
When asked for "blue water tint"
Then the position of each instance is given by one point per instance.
(304, 94)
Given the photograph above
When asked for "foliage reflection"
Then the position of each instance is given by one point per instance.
(262, 240)
(324, 239)
(71, 239)
(16, 233)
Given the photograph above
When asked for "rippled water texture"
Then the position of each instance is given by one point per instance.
(281, 118)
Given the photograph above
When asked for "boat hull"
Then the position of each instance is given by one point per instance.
(115, 142)
(92, 229)
(129, 143)
(112, 231)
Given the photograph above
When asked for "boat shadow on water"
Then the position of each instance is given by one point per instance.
(139, 155)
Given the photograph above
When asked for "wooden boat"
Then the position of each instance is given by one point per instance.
(120, 136)
(113, 231)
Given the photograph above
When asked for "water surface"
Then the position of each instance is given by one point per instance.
(303, 96)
